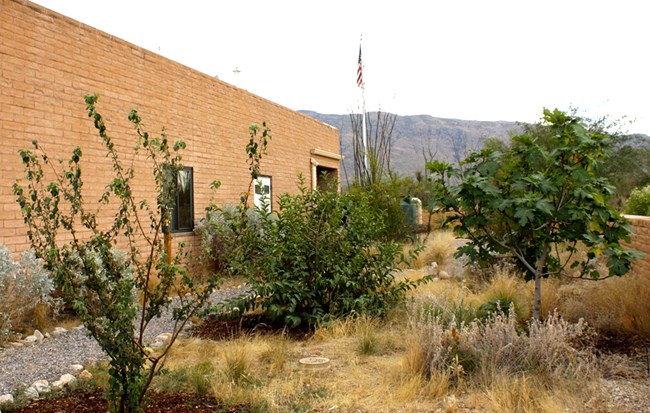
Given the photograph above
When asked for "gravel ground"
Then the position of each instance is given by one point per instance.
(49, 359)
(625, 385)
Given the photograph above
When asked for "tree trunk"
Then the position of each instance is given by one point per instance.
(539, 270)
(537, 300)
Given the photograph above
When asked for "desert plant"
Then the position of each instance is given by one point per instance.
(368, 339)
(25, 286)
(237, 367)
(615, 307)
(552, 349)
(219, 233)
(101, 283)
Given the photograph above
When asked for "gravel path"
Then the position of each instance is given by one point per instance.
(49, 359)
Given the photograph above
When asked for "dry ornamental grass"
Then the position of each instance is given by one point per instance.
(438, 353)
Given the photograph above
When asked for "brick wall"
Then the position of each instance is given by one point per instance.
(48, 62)
(641, 241)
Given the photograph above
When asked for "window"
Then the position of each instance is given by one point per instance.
(262, 193)
(183, 212)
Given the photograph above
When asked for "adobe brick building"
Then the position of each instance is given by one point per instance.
(48, 62)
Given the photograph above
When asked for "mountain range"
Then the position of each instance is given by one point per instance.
(414, 136)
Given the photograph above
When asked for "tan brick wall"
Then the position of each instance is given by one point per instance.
(641, 241)
(48, 62)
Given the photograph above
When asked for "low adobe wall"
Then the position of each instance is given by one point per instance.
(641, 241)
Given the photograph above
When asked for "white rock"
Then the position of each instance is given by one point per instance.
(164, 338)
(39, 336)
(64, 381)
(6, 398)
(41, 386)
(48, 335)
(29, 340)
(31, 393)
(157, 344)
(444, 275)
(432, 269)
(58, 331)
(85, 375)
(76, 368)
(16, 344)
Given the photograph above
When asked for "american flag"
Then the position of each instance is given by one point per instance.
(360, 70)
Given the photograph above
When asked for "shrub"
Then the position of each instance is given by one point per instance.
(639, 201)
(319, 259)
(384, 203)
(219, 233)
(483, 349)
(24, 287)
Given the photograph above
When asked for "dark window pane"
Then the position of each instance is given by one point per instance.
(183, 214)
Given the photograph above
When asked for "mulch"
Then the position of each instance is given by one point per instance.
(219, 328)
(94, 402)
(620, 344)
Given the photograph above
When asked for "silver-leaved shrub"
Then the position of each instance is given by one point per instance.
(24, 287)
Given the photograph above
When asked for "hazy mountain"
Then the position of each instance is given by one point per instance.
(448, 139)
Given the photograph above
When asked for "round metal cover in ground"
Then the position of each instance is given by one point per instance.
(314, 363)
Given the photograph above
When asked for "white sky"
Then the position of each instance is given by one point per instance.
(465, 59)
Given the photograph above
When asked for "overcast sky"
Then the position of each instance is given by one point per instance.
(473, 59)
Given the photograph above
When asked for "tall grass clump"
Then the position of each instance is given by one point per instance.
(195, 378)
(505, 291)
(438, 247)
(614, 307)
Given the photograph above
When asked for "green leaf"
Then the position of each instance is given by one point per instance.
(524, 215)
(545, 206)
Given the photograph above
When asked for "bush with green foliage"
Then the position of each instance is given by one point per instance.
(320, 258)
(103, 284)
(628, 165)
(639, 201)
(384, 201)
(24, 286)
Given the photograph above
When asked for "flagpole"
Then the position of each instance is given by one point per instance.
(363, 129)
(363, 119)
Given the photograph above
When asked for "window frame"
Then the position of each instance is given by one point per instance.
(175, 212)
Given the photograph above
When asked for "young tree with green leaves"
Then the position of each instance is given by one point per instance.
(538, 202)
(102, 284)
